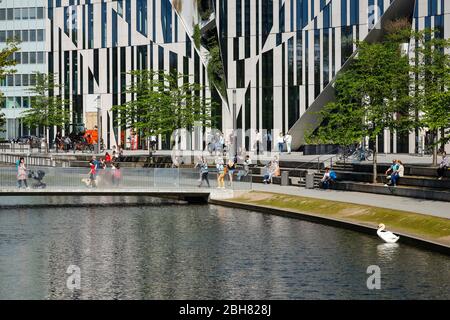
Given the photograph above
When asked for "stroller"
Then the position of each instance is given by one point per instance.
(38, 176)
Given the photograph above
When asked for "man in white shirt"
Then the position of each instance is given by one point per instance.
(288, 140)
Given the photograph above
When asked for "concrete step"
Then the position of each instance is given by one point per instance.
(412, 192)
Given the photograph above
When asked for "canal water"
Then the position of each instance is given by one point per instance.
(202, 252)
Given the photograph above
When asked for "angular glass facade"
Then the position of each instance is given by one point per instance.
(278, 55)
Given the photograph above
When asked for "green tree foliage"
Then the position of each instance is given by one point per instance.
(6, 67)
(197, 36)
(46, 110)
(371, 95)
(162, 103)
(216, 73)
(431, 69)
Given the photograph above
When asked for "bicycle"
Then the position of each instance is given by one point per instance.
(363, 154)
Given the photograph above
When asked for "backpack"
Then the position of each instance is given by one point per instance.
(333, 175)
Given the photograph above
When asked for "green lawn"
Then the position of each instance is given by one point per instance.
(424, 226)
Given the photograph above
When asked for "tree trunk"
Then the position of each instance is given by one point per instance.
(375, 154)
(435, 147)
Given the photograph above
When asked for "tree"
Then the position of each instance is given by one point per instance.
(431, 69)
(2, 122)
(371, 95)
(6, 64)
(46, 110)
(162, 103)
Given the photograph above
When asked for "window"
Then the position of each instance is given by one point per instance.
(10, 35)
(40, 57)
(10, 80)
(26, 100)
(18, 78)
(32, 57)
(32, 35)
(120, 8)
(343, 12)
(32, 79)
(10, 14)
(24, 13)
(17, 35)
(10, 103)
(25, 57)
(2, 36)
(40, 35)
(18, 102)
(25, 81)
(40, 13)
(32, 13)
(17, 14)
(24, 36)
(2, 14)
(17, 57)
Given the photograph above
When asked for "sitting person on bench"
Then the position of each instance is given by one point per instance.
(397, 171)
(443, 166)
(328, 178)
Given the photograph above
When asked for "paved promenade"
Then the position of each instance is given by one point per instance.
(428, 207)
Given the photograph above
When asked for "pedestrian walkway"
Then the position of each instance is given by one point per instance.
(428, 207)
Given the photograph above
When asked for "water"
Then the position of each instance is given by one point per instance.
(203, 252)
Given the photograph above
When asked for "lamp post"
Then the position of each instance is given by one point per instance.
(234, 124)
(99, 132)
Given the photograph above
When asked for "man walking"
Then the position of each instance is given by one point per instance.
(204, 173)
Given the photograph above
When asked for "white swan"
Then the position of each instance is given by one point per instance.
(387, 236)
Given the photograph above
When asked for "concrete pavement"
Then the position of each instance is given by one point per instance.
(428, 207)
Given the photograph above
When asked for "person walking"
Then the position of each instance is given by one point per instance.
(22, 174)
(231, 166)
(280, 142)
(204, 171)
(220, 174)
(92, 173)
(288, 141)
(443, 166)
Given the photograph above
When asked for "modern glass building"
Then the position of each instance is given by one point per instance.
(25, 20)
(278, 56)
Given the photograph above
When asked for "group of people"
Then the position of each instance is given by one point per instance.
(108, 167)
(284, 139)
(394, 173)
(223, 170)
(271, 169)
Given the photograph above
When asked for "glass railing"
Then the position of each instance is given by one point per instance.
(127, 179)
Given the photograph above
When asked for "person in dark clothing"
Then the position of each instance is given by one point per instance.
(204, 171)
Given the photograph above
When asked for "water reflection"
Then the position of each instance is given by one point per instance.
(387, 251)
(202, 252)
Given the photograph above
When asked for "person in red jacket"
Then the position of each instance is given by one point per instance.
(108, 158)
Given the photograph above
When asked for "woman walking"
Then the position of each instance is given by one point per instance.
(221, 171)
(22, 174)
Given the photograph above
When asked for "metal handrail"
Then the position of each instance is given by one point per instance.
(318, 160)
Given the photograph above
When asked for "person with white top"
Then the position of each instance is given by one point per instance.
(288, 140)
(280, 142)
(398, 174)
(443, 166)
